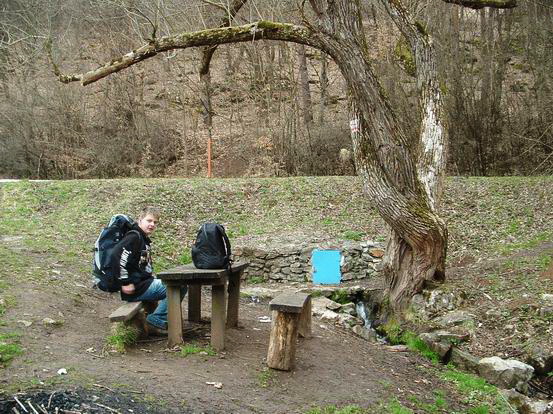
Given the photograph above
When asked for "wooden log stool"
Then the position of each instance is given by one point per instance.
(291, 315)
(134, 314)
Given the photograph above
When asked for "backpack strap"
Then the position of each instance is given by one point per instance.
(227, 245)
(225, 239)
(135, 231)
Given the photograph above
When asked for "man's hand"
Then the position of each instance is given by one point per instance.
(127, 289)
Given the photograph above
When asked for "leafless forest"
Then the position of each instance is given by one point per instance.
(270, 108)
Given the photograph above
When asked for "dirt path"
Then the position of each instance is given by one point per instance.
(333, 367)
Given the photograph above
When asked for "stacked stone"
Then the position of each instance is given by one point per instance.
(292, 262)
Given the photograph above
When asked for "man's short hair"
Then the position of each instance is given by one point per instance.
(154, 211)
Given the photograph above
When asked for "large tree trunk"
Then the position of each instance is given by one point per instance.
(404, 185)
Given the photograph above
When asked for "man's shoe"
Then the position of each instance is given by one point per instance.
(154, 330)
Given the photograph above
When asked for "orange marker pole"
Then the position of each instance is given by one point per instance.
(209, 156)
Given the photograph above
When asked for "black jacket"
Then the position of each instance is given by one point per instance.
(132, 262)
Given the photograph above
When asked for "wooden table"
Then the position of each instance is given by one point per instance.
(188, 275)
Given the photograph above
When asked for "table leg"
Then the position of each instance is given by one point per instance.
(194, 303)
(233, 299)
(174, 316)
(218, 310)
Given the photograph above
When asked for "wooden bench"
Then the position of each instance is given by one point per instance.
(291, 315)
(133, 314)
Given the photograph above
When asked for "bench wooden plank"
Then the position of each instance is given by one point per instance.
(125, 312)
(289, 302)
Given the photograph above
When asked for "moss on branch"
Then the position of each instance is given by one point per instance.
(268, 25)
(405, 55)
(262, 29)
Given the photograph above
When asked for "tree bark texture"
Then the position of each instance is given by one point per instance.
(324, 88)
(305, 93)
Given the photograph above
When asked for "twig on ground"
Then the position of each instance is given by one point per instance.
(50, 399)
(21, 405)
(107, 408)
(508, 403)
(15, 410)
(97, 356)
(103, 386)
(539, 388)
(32, 408)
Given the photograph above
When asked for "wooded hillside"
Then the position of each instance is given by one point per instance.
(277, 108)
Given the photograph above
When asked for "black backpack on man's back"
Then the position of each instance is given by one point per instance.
(102, 266)
(212, 247)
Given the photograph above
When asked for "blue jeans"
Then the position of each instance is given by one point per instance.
(158, 291)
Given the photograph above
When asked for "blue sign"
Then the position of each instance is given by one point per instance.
(326, 266)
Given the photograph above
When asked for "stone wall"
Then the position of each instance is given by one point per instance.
(292, 261)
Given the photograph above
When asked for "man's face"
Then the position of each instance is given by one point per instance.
(148, 224)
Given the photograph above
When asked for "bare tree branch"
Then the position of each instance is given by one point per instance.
(225, 22)
(254, 31)
(138, 12)
(480, 4)
(220, 6)
(62, 77)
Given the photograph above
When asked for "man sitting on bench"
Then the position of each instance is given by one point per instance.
(133, 257)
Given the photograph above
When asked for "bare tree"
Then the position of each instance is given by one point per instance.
(404, 180)
(228, 14)
(324, 88)
(305, 93)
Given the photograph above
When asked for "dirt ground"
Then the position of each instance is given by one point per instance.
(508, 325)
(333, 367)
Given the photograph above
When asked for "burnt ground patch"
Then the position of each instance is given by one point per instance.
(80, 401)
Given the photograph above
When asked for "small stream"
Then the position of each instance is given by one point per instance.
(367, 310)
